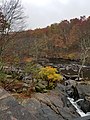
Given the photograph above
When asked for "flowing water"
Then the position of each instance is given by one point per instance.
(78, 110)
(68, 67)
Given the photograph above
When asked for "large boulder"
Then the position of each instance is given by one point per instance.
(10, 109)
(49, 106)
(84, 88)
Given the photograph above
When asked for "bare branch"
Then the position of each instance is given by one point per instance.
(11, 19)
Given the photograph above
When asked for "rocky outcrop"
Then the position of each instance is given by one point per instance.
(49, 106)
(52, 105)
(10, 109)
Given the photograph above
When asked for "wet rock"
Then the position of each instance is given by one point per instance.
(72, 92)
(84, 105)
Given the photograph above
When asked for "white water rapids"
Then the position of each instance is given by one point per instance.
(79, 111)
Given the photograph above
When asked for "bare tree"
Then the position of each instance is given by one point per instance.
(13, 13)
(11, 21)
(85, 48)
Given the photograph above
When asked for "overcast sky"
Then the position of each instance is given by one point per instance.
(42, 13)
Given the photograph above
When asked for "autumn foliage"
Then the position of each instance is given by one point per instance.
(50, 74)
(59, 40)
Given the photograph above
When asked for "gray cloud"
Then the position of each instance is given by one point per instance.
(43, 15)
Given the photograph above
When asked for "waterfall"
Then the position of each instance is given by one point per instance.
(79, 111)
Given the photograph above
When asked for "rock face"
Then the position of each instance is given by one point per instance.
(52, 105)
(10, 109)
(84, 91)
(84, 106)
(49, 106)
(41, 106)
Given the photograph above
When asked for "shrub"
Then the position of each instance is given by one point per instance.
(31, 68)
(50, 74)
(72, 56)
(2, 76)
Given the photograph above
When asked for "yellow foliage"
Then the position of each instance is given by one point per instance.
(71, 56)
(49, 73)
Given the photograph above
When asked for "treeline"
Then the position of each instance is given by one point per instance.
(67, 39)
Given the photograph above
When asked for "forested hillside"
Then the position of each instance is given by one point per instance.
(67, 39)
